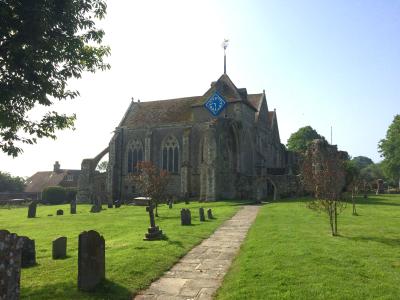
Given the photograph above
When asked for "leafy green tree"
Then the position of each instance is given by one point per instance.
(390, 150)
(362, 161)
(352, 180)
(299, 141)
(42, 45)
(10, 183)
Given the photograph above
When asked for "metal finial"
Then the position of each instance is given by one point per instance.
(225, 45)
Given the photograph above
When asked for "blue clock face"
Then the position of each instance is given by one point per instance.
(215, 104)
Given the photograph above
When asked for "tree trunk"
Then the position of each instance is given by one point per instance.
(156, 209)
(330, 213)
(353, 200)
(336, 232)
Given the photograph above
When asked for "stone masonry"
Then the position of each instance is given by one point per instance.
(206, 155)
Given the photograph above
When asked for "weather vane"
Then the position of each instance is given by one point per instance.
(225, 45)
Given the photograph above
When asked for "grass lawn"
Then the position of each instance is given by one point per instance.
(289, 253)
(131, 263)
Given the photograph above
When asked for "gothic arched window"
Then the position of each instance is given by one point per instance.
(170, 155)
(135, 155)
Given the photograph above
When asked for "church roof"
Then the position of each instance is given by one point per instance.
(161, 112)
(255, 100)
(142, 114)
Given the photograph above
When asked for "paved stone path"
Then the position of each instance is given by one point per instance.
(199, 274)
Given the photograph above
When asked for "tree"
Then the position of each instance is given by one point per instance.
(323, 175)
(352, 180)
(42, 45)
(362, 161)
(151, 182)
(10, 183)
(299, 141)
(390, 150)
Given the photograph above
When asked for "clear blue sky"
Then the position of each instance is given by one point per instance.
(322, 63)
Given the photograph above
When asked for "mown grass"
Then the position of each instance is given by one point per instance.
(289, 253)
(131, 263)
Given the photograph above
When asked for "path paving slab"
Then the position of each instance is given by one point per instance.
(199, 274)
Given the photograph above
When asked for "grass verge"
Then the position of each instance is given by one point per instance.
(289, 253)
(131, 263)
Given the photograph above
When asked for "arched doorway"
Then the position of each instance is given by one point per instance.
(272, 191)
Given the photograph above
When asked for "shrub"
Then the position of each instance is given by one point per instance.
(54, 195)
(70, 194)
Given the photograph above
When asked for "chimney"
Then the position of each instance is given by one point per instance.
(56, 167)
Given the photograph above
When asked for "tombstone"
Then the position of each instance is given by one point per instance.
(154, 232)
(117, 203)
(60, 248)
(72, 207)
(28, 254)
(10, 264)
(59, 212)
(209, 214)
(95, 209)
(91, 260)
(32, 210)
(380, 187)
(186, 218)
(110, 205)
(170, 202)
(201, 213)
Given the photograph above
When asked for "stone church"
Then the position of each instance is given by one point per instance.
(224, 144)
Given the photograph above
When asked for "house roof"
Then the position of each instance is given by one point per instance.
(40, 180)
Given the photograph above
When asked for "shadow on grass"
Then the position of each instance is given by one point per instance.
(106, 290)
(382, 240)
(176, 243)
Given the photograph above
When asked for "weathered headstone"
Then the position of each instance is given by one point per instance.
(91, 260)
(28, 254)
(154, 232)
(95, 209)
(60, 248)
(110, 205)
(186, 218)
(209, 214)
(380, 187)
(32, 210)
(59, 212)
(201, 214)
(72, 207)
(10, 265)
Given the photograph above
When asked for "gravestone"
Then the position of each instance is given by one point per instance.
(59, 212)
(95, 209)
(209, 214)
(201, 214)
(10, 265)
(72, 207)
(170, 202)
(91, 260)
(110, 205)
(32, 210)
(186, 218)
(117, 203)
(380, 187)
(154, 232)
(28, 254)
(60, 248)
